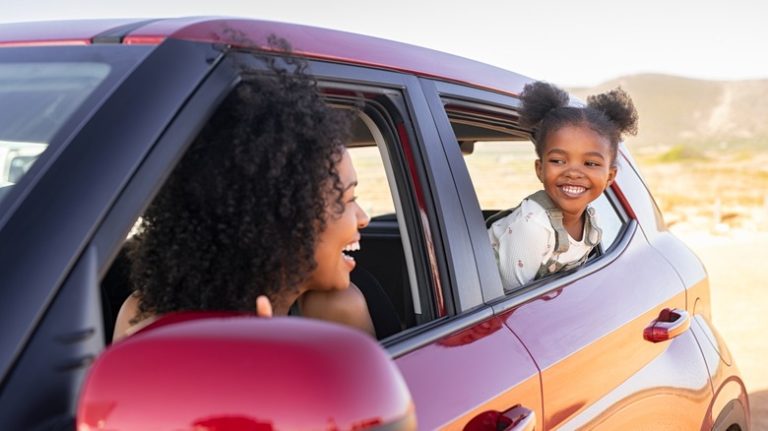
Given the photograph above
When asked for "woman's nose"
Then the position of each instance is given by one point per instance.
(362, 218)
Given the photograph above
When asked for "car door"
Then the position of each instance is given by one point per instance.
(462, 366)
(585, 328)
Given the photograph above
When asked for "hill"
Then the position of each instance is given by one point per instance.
(694, 116)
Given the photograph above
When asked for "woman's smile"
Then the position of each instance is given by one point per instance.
(348, 259)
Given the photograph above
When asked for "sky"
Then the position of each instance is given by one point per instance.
(567, 42)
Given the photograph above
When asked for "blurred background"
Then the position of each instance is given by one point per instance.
(695, 69)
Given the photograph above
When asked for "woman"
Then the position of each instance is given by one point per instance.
(258, 215)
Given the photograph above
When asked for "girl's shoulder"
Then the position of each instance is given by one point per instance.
(527, 213)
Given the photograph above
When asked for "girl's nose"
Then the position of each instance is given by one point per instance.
(574, 173)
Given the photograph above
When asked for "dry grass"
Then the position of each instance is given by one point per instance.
(732, 190)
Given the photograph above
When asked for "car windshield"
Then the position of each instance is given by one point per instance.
(36, 99)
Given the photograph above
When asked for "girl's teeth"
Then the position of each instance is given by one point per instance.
(574, 190)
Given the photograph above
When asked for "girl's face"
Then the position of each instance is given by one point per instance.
(575, 168)
(341, 234)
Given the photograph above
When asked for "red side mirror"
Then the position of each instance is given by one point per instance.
(214, 373)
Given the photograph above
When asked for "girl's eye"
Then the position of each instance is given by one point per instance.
(592, 164)
(556, 161)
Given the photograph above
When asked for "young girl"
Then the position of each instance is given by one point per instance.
(555, 229)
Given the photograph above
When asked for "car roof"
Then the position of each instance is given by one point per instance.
(312, 42)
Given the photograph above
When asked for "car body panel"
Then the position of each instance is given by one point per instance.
(593, 328)
(43, 33)
(475, 370)
(339, 46)
(587, 338)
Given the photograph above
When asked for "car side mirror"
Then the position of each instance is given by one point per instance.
(221, 372)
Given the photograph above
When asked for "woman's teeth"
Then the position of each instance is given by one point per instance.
(354, 246)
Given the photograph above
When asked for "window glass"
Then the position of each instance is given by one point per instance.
(609, 220)
(373, 186)
(35, 100)
(502, 172)
(386, 271)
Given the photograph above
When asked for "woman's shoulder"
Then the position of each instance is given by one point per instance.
(126, 322)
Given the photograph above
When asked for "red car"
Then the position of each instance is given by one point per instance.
(93, 116)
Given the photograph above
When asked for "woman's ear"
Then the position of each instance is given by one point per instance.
(263, 306)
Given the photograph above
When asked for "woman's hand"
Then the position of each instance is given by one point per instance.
(263, 306)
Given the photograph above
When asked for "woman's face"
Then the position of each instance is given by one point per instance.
(341, 234)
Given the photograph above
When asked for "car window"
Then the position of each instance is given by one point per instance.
(500, 157)
(388, 269)
(36, 99)
(611, 222)
(386, 255)
(502, 172)
(373, 188)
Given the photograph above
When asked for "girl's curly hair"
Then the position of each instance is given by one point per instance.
(240, 214)
(545, 109)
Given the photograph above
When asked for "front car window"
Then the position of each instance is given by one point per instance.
(36, 99)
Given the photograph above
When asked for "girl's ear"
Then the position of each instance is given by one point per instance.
(611, 175)
(539, 174)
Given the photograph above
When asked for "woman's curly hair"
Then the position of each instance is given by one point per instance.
(240, 214)
(545, 109)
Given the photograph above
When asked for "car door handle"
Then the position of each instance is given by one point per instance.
(671, 323)
(517, 418)
(520, 419)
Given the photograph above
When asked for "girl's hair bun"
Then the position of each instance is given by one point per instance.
(539, 98)
(618, 107)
